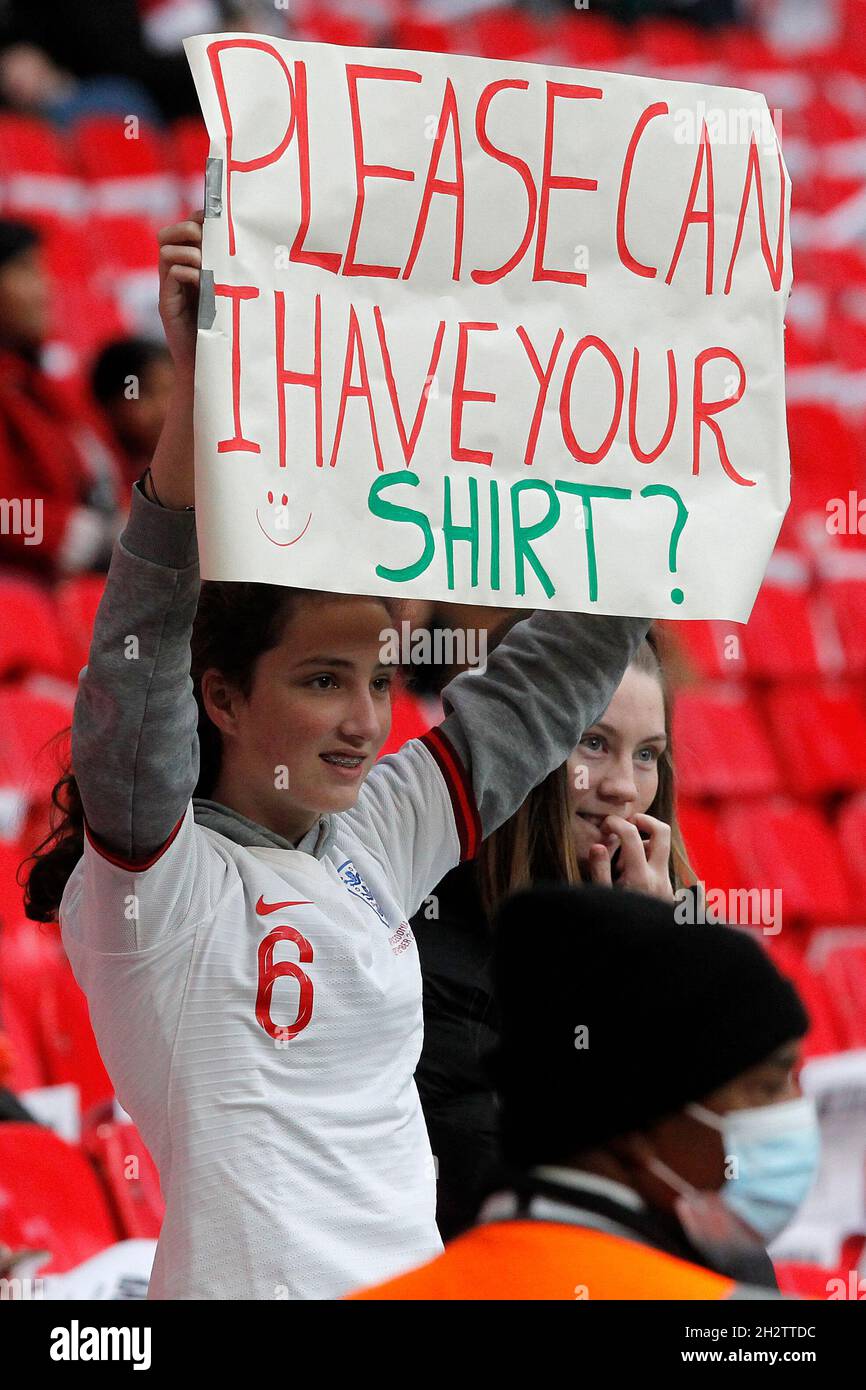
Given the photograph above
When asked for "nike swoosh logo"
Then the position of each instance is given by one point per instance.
(263, 908)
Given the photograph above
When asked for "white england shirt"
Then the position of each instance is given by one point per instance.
(259, 1011)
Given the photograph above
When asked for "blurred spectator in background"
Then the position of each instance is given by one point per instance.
(32, 84)
(454, 628)
(86, 55)
(796, 25)
(131, 380)
(58, 480)
(261, 16)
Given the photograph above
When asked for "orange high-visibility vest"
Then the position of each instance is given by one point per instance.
(550, 1260)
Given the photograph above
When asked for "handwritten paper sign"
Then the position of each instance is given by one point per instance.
(491, 331)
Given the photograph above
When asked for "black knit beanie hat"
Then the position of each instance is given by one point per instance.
(670, 1013)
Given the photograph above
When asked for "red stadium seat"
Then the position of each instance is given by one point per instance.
(853, 1256)
(673, 43)
(799, 1280)
(846, 337)
(29, 952)
(123, 173)
(826, 1034)
(126, 256)
(713, 650)
(722, 747)
(845, 976)
(853, 34)
(826, 457)
(851, 835)
(66, 251)
(830, 121)
(26, 1072)
(28, 960)
(503, 33)
(846, 598)
(35, 172)
(802, 349)
(11, 895)
(350, 30)
(745, 49)
(835, 268)
(123, 242)
(68, 1045)
(819, 733)
(129, 1176)
(188, 144)
(37, 984)
(786, 846)
(30, 636)
(77, 601)
(84, 320)
(706, 848)
(421, 33)
(822, 193)
(590, 40)
(189, 149)
(41, 1006)
(50, 1198)
(783, 636)
(31, 758)
(408, 720)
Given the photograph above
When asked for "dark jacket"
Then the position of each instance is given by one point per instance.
(460, 1030)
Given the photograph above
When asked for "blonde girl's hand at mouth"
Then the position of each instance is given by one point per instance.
(644, 854)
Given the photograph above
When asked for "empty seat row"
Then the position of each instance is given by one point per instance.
(75, 1200)
(779, 846)
(46, 630)
(794, 633)
(807, 738)
(45, 1017)
(109, 164)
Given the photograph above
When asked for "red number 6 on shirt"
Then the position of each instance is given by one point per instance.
(270, 972)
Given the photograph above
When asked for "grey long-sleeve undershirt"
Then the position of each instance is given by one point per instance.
(134, 741)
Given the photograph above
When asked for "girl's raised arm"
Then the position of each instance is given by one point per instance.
(547, 680)
(134, 742)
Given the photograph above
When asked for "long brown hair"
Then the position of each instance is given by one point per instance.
(235, 624)
(535, 845)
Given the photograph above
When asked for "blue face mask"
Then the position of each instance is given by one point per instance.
(772, 1153)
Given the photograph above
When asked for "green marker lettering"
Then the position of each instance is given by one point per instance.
(586, 492)
(391, 511)
(453, 533)
(494, 534)
(524, 534)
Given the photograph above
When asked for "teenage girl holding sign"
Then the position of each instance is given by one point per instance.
(235, 871)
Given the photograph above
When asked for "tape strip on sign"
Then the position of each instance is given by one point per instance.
(206, 300)
(213, 184)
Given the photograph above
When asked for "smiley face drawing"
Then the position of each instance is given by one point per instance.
(278, 520)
